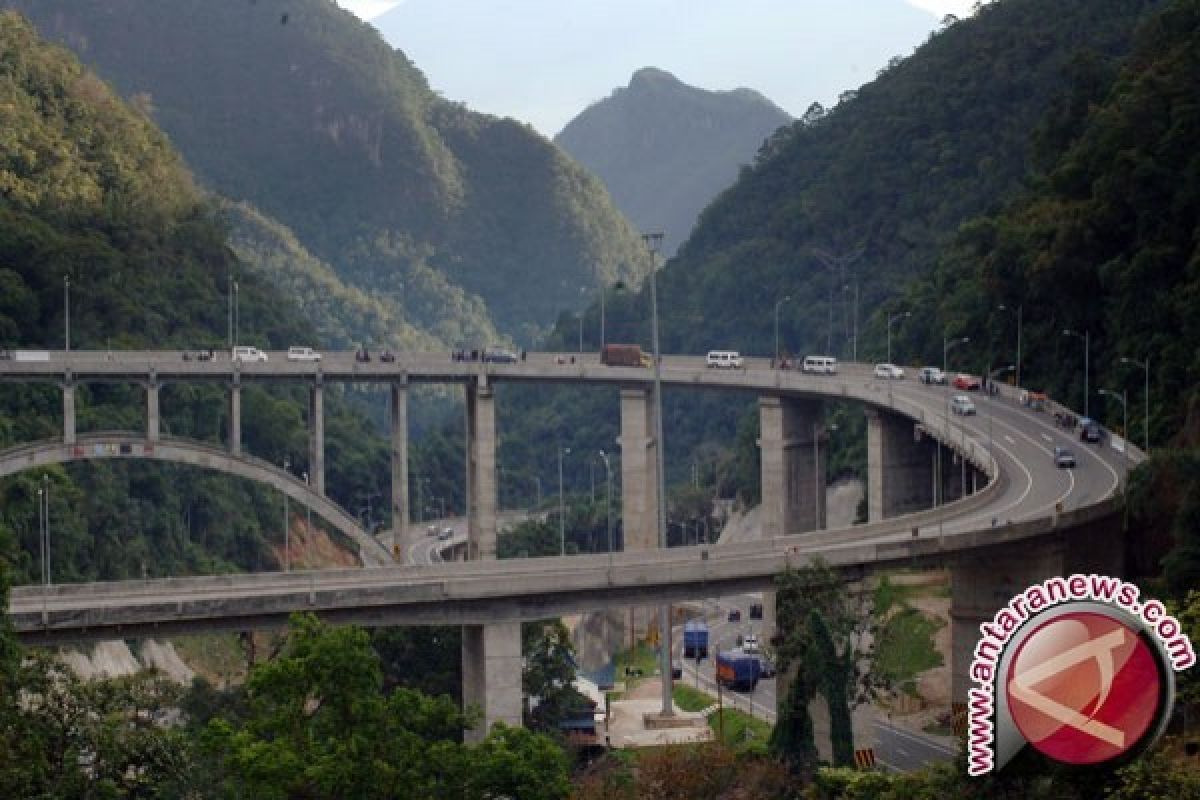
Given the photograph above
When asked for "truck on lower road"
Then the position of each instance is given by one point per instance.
(624, 355)
(695, 639)
(738, 671)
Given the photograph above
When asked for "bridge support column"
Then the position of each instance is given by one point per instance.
(68, 395)
(152, 415)
(639, 485)
(791, 443)
(491, 654)
(481, 471)
(982, 583)
(235, 418)
(316, 436)
(899, 471)
(491, 657)
(400, 514)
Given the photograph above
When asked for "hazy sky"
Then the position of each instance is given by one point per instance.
(544, 61)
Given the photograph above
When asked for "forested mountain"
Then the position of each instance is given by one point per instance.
(1105, 241)
(665, 149)
(858, 199)
(92, 191)
(306, 113)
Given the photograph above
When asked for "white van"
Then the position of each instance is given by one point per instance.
(244, 353)
(724, 359)
(820, 365)
(302, 354)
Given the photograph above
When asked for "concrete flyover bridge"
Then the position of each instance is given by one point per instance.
(978, 493)
(127, 444)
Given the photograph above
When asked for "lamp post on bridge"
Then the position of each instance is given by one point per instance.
(1145, 365)
(947, 346)
(778, 303)
(562, 516)
(1085, 338)
(608, 501)
(991, 412)
(287, 529)
(891, 319)
(308, 512)
(1124, 432)
(1018, 362)
(67, 310)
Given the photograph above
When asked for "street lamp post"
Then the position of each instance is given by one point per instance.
(947, 346)
(67, 310)
(1124, 428)
(991, 377)
(308, 513)
(580, 331)
(1086, 349)
(287, 532)
(854, 351)
(1018, 364)
(778, 303)
(1145, 365)
(608, 501)
(653, 243)
(892, 318)
(562, 517)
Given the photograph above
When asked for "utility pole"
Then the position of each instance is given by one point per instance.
(67, 307)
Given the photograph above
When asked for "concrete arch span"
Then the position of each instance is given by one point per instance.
(127, 445)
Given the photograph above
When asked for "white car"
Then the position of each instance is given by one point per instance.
(962, 405)
(889, 371)
(249, 354)
(931, 375)
(750, 644)
(302, 354)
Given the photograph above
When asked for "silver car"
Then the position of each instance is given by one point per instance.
(962, 405)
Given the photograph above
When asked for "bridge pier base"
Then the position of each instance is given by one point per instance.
(399, 431)
(492, 675)
(983, 582)
(899, 466)
(235, 418)
(791, 444)
(316, 437)
(68, 396)
(152, 413)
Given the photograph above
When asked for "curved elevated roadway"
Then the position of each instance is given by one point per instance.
(1028, 499)
(127, 444)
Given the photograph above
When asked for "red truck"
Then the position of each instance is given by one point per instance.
(624, 355)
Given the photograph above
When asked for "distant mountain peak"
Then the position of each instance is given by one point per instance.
(664, 148)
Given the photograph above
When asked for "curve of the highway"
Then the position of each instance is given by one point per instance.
(1030, 498)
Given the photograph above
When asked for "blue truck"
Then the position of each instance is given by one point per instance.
(738, 671)
(695, 639)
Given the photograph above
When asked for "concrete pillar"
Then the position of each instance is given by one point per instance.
(316, 436)
(491, 658)
(481, 472)
(639, 487)
(899, 466)
(235, 418)
(980, 584)
(68, 390)
(400, 512)
(152, 415)
(792, 448)
(491, 654)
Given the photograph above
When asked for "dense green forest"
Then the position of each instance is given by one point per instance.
(93, 192)
(298, 108)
